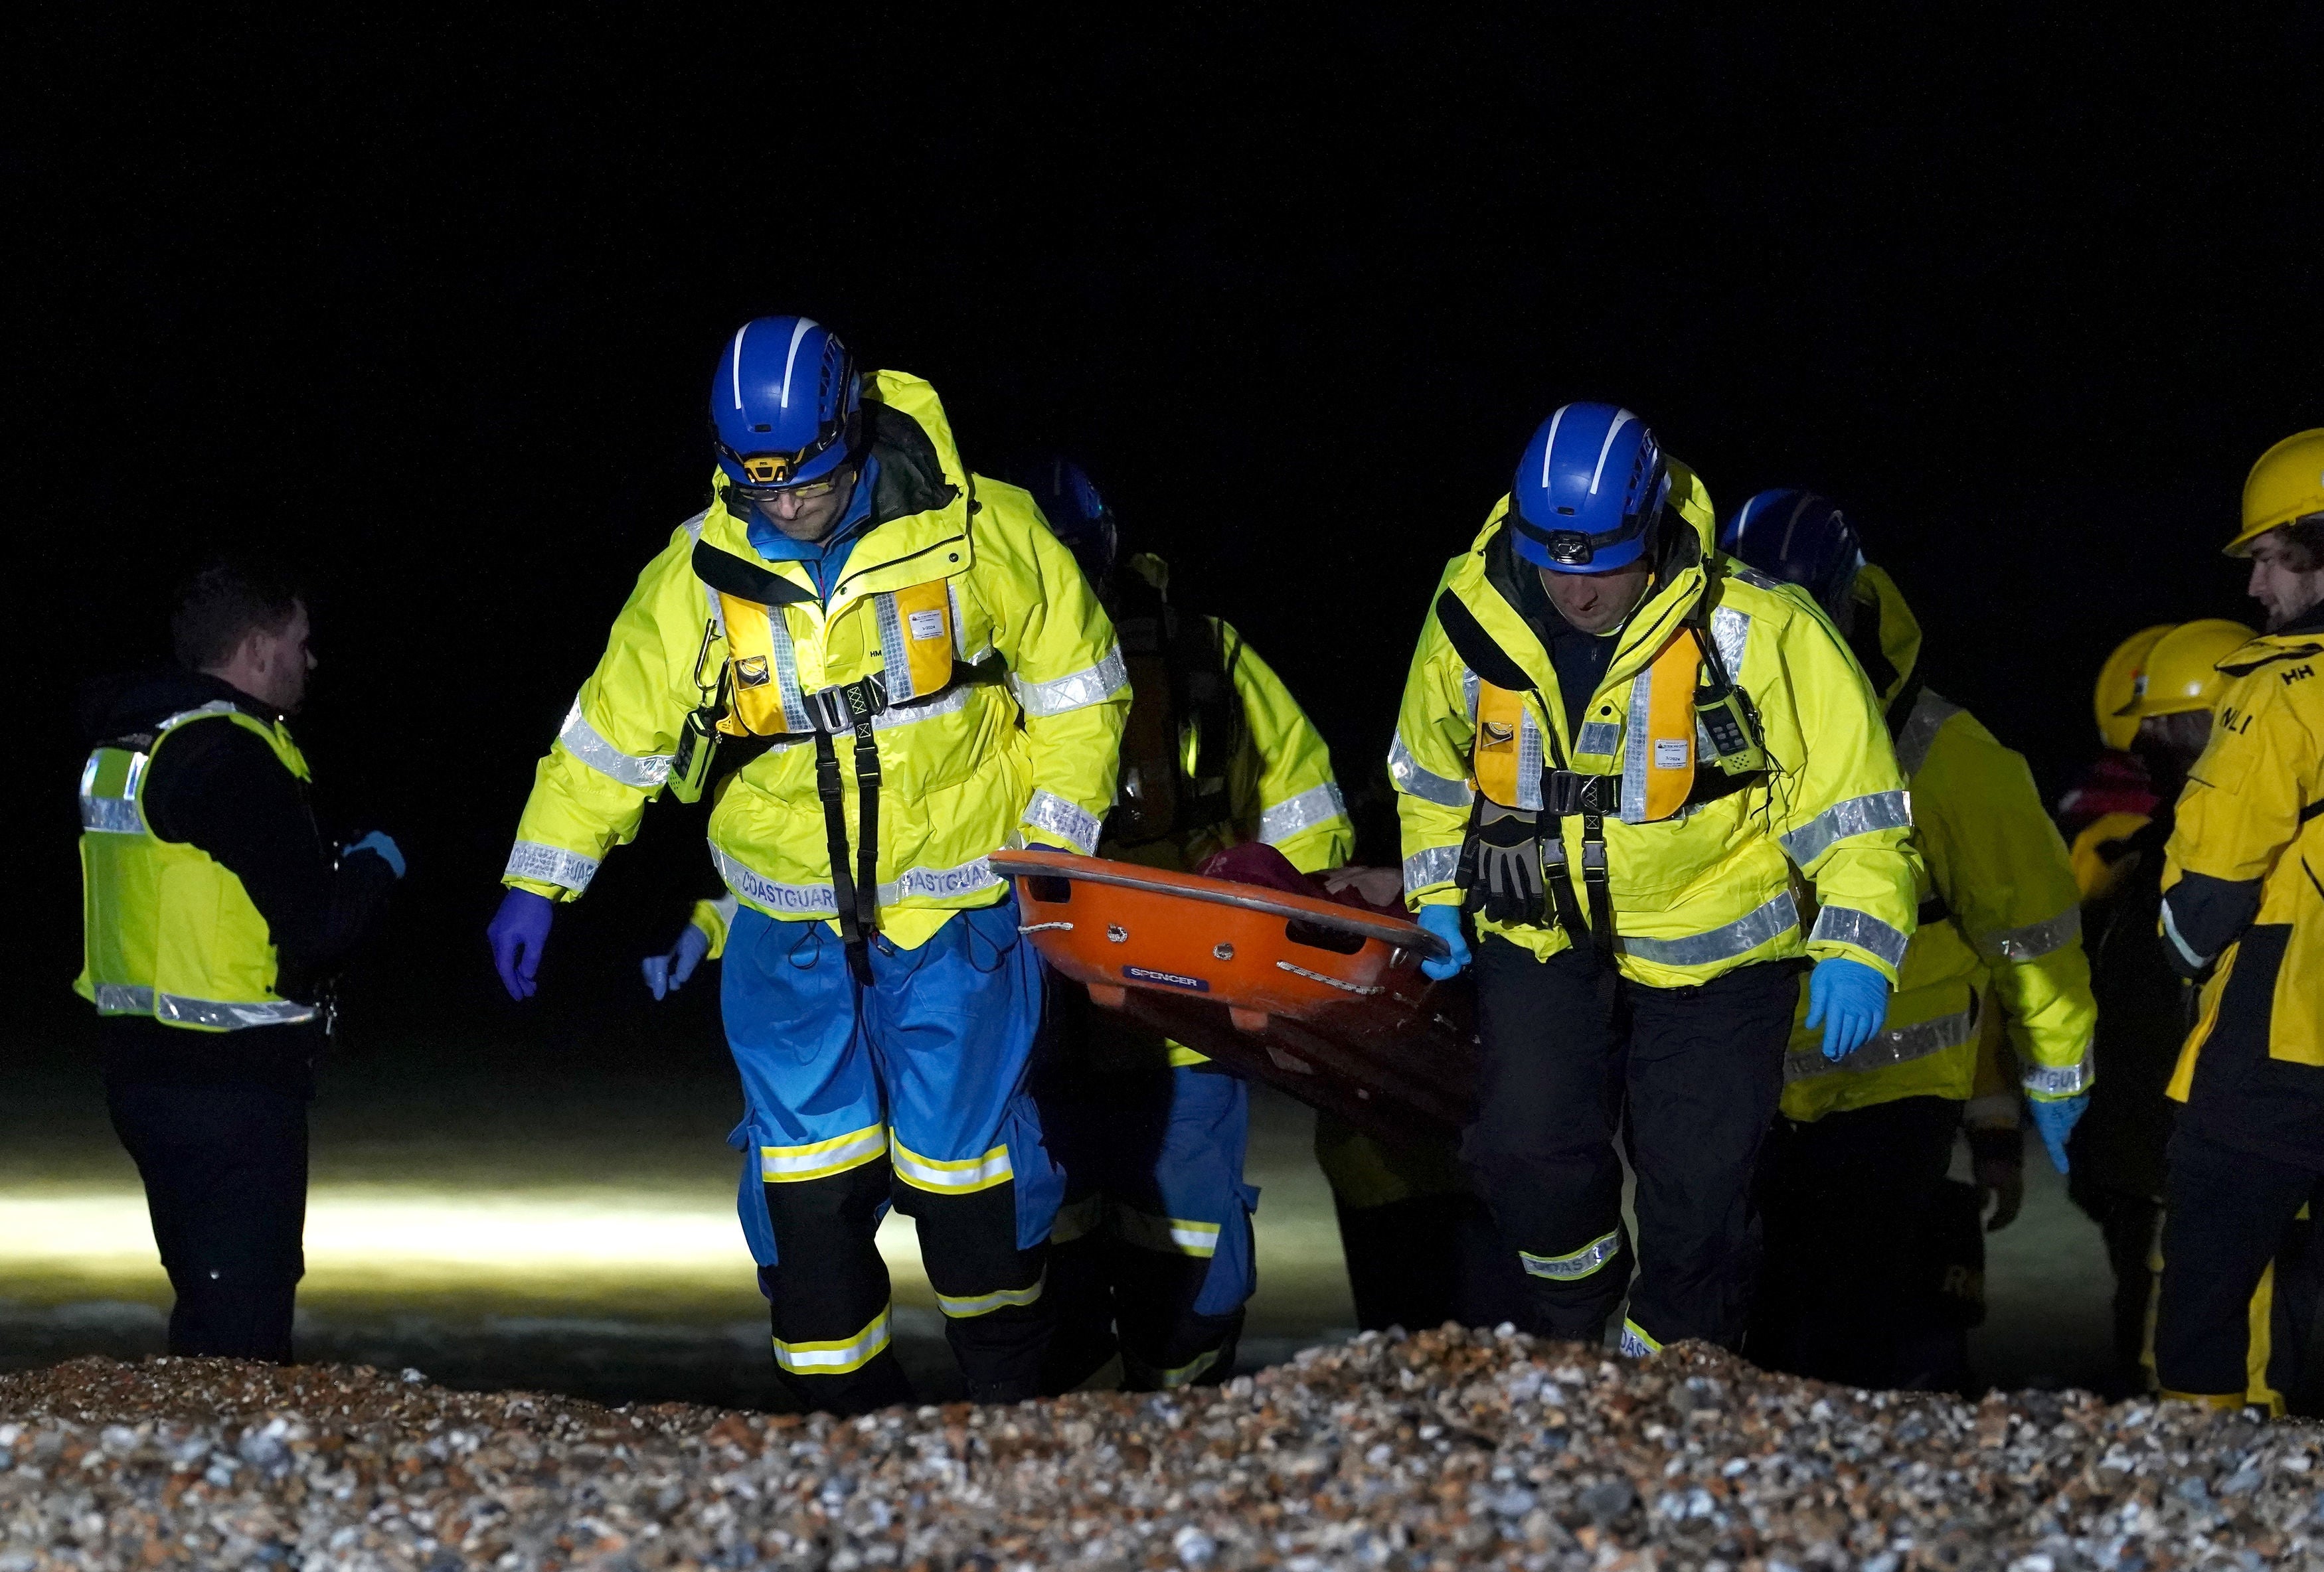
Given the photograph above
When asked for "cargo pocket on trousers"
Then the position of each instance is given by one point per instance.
(751, 1197)
(1040, 1183)
(1233, 1276)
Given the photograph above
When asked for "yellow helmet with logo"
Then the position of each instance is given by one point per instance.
(2287, 483)
(2118, 686)
(2181, 671)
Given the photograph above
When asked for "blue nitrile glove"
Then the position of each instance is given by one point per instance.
(519, 932)
(666, 974)
(379, 845)
(1061, 850)
(1849, 999)
(2056, 1121)
(1444, 922)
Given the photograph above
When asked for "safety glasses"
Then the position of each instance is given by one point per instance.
(807, 492)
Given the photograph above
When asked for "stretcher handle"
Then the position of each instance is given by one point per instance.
(1322, 913)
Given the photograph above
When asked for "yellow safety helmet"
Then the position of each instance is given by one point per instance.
(2287, 483)
(2118, 686)
(2181, 671)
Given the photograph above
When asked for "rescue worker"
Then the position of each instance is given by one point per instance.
(1856, 1173)
(2243, 915)
(1152, 1256)
(2165, 698)
(855, 602)
(2116, 781)
(215, 914)
(1616, 749)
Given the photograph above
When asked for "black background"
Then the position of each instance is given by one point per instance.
(431, 308)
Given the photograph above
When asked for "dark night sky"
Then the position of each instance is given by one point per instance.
(433, 308)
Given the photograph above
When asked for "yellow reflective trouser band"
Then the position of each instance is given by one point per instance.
(978, 1304)
(971, 1173)
(1077, 1219)
(1575, 1265)
(822, 1159)
(1171, 1236)
(1635, 1343)
(1184, 1375)
(835, 1358)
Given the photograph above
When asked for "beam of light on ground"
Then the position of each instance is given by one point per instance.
(372, 1230)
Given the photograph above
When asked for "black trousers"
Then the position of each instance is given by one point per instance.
(225, 1165)
(1690, 1075)
(2227, 1214)
(1425, 1260)
(1847, 1291)
(2128, 1222)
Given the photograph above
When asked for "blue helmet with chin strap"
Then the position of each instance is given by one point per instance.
(1801, 538)
(1078, 515)
(785, 409)
(1587, 491)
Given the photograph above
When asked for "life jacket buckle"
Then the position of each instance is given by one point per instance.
(843, 707)
(1566, 791)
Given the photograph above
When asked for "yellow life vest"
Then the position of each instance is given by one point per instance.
(168, 930)
(1506, 761)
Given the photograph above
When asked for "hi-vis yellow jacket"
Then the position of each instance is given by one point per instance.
(1708, 888)
(1275, 780)
(1005, 689)
(2243, 893)
(1998, 908)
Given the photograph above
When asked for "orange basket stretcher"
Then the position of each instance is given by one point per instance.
(1323, 1001)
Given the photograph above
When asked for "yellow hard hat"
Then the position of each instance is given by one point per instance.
(2285, 484)
(2181, 671)
(2118, 686)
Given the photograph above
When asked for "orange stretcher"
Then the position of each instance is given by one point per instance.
(1323, 1001)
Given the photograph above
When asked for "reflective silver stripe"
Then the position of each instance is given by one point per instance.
(1730, 630)
(1429, 788)
(1169, 1236)
(1318, 804)
(550, 865)
(1856, 816)
(1901, 1045)
(1930, 711)
(1083, 688)
(796, 901)
(838, 1357)
(1635, 1343)
(1598, 737)
(2034, 940)
(787, 677)
(116, 998)
(1052, 813)
(1847, 925)
(962, 1307)
(1435, 865)
(1529, 761)
(1573, 1267)
(110, 815)
(953, 1178)
(171, 722)
(1739, 937)
(2050, 1081)
(1634, 751)
(895, 657)
(822, 1159)
(1471, 684)
(2195, 963)
(1753, 576)
(1169, 1379)
(584, 741)
(953, 700)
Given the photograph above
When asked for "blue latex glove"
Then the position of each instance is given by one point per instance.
(1849, 999)
(1045, 846)
(379, 845)
(666, 974)
(1444, 922)
(519, 932)
(2056, 1121)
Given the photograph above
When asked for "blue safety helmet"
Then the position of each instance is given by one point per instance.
(785, 411)
(1589, 489)
(1801, 538)
(1077, 514)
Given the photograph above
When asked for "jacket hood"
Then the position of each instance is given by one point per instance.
(1887, 638)
(126, 703)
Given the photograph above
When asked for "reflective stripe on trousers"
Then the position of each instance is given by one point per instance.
(838, 1356)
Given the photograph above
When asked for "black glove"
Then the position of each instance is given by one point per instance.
(1500, 865)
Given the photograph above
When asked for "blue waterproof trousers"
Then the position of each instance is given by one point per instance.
(908, 1092)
